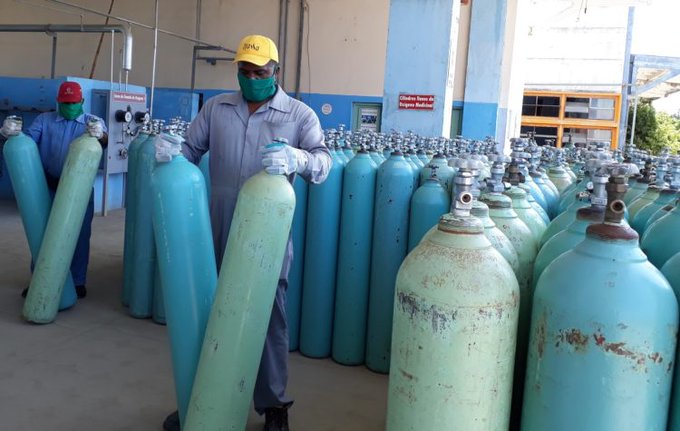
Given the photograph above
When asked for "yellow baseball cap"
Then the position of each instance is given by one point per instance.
(256, 49)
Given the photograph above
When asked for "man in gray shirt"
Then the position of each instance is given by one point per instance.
(235, 127)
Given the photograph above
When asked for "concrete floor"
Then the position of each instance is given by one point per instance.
(96, 368)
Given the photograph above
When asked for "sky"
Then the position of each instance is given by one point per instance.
(656, 31)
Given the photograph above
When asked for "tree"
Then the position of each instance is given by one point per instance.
(654, 131)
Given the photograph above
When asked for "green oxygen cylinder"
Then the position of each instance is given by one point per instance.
(63, 226)
(671, 270)
(33, 199)
(455, 321)
(495, 236)
(526, 212)
(235, 334)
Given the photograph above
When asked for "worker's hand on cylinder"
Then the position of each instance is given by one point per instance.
(11, 126)
(279, 158)
(95, 128)
(167, 145)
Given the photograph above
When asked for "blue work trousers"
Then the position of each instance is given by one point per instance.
(272, 377)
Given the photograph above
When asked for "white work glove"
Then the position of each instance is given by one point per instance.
(11, 126)
(167, 145)
(279, 158)
(95, 128)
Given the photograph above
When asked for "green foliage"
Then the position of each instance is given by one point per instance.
(654, 130)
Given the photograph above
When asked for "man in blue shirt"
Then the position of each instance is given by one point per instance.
(54, 132)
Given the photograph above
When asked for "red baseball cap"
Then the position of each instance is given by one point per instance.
(70, 92)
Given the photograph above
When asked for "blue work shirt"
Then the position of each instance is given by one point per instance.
(54, 134)
(233, 136)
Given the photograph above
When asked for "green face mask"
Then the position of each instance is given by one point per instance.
(257, 90)
(70, 111)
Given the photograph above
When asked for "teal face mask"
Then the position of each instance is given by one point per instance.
(257, 90)
(70, 111)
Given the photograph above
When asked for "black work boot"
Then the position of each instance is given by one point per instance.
(276, 419)
(81, 292)
(24, 292)
(171, 423)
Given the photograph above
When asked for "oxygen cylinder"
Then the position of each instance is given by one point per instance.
(61, 233)
(568, 197)
(444, 171)
(639, 222)
(497, 238)
(428, 204)
(386, 153)
(204, 166)
(535, 191)
(423, 157)
(643, 200)
(158, 309)
(188, 274)
(534, 205)
(239, 318)
(548, 182)
(638, 185)
(376, 157)
(144, 248)
(295, 275)
(339, 155)
(131, 213)
(354, 260)
(658, 214)
(551, 197)
(559, 177)
(415, 170)
(526, 213)
(567, 239)
(562, 221)
(455, 321)
(506, 219)
(321, 256)
(33, 200)
(671, 270)
(394, 186)
(660, 241)
(604, 324)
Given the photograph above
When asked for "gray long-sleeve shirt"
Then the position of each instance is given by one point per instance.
(233, 136)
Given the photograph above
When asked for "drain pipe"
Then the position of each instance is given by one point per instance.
(77, 28)
(299, 49)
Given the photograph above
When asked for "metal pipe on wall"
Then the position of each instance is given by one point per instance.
(153, 65)
(299, 49)
(283, 30)
(77, 28)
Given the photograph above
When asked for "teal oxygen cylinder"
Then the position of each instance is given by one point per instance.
(354, 260)
(428, 204)
(158, 308)
(444, 171)
(562, 221)
(530, 198)
(33, 199)
(143, 245)
(559, 177)
(660, 240)
(646, 198)
(131, 192)
(667, 196)
(321, 259)
(506, 219)
(61, 233)
(495, 236)
(552, 198)
(188, 275)
(603, 334)
(246, 288)
(394, 186)
(638, 186)
(295, 275)
(671, 270)
(423, 157)
(204, 166)
(526, 213)
(568, 238)
(548, 182)
(641, 185)
(376, 156)
(453, 291)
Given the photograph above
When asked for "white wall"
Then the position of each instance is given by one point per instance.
(566, 45)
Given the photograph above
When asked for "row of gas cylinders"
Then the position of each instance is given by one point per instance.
(397, 320)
